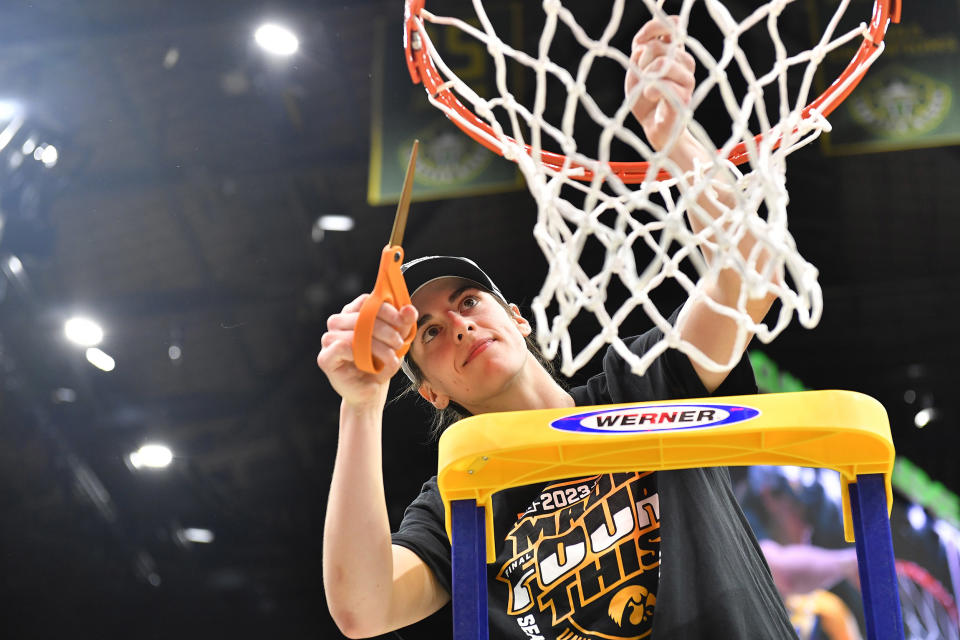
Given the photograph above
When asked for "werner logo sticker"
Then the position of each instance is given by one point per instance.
(662, 417)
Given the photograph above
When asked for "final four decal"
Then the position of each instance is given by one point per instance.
(583, 561)
(661, 417)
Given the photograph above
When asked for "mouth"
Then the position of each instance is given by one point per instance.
(477, 349)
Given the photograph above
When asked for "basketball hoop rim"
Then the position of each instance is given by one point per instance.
(423, 71)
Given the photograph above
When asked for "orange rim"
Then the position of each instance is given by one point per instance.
(422, 70)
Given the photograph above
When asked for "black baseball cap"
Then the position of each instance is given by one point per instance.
(422, 271)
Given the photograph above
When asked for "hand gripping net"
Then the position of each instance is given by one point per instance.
(648, 206)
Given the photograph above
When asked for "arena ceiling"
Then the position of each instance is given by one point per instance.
(191, 173)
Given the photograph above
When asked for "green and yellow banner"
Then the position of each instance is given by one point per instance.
(449, 163)
(908, 97)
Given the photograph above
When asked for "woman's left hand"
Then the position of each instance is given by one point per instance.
(651, 53)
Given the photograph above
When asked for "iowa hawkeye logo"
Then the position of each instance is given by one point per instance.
(665, 417)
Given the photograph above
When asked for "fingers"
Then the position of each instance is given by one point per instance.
(332, 337)
(347, 318)
(387, 357)
(644, 54)
(653, 40)
(655, 29)
(389, 333)
(656, 50)
(355, 304)
(401, 319)
(408, 316)
(649, 53)
(337, 352)
(665, 73)
(658, 61)
(672, 75)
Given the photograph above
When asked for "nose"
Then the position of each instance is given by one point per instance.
(460, 325)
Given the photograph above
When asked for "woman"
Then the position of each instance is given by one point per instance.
(665, 555)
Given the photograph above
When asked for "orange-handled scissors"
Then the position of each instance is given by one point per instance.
(390, 286)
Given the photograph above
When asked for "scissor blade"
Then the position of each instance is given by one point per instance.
(403, 207)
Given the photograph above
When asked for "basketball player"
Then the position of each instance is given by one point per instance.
(614, 556)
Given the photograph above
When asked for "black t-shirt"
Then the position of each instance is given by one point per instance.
(625, 555)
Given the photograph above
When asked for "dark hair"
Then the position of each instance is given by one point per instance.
(454, 412)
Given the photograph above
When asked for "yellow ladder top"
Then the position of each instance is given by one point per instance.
(840, 430)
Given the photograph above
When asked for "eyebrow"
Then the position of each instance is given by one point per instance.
(453, 296)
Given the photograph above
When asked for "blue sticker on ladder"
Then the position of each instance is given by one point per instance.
(660, 417)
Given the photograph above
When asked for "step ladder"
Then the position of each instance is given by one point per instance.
(841, 430)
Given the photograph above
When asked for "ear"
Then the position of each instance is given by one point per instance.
(522, 323)
(438, 400)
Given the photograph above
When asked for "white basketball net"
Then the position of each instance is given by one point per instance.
(656, 213)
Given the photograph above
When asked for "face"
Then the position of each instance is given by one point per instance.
(468, 346)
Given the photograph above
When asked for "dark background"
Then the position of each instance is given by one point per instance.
(181, 213)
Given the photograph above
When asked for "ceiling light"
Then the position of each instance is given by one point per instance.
(276, 39)
(330, 223)
(100, 360)
(29, 146)
(49, 156)
(151, 456)
(16, 267)
(335, 223)
(923, 418)
(83, 331)
(200, 536)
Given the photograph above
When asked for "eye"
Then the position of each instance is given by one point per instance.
(469, 302)
(430, 333)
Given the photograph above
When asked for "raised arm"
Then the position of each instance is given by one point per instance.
(802, 568)
(712, 333)
(371, 586)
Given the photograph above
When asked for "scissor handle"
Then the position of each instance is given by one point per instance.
(391, 288)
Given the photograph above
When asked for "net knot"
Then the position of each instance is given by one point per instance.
(673, 339)
(817, 54)
(609, 334)
(817, 120)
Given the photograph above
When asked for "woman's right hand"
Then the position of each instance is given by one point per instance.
(357, 387)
